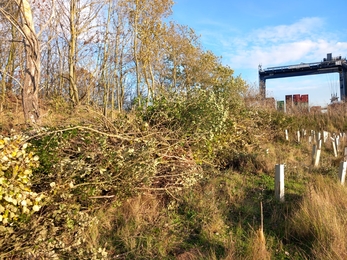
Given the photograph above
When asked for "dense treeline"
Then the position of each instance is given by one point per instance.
(116, 54)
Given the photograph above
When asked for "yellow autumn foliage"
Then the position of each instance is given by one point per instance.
(16, 164)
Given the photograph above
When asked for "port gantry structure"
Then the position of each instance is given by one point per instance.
(328, 65)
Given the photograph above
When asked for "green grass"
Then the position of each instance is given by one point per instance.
(142, 208)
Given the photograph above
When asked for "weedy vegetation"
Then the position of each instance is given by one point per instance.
(184, 179)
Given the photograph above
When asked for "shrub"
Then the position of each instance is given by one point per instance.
(16, 164)
(59, 230)
(201, 113)
(198, 119)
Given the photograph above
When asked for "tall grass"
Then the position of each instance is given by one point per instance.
(320, 223)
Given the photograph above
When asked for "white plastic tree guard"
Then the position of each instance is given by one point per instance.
(286, 133)
(279, 182)
(342, 172)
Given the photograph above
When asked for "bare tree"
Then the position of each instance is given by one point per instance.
(78, 21)
(9, 59)
(119, 58)
(32, 66)
(104, 71)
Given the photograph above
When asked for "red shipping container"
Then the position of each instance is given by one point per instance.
(296, 99)
(304, 98)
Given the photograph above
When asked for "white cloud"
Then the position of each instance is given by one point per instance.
(303, 41)
(280, 54)
(305, 27)
(306, 40)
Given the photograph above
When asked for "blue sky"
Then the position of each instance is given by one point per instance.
(247, 33)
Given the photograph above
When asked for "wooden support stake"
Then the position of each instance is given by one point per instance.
(313, 133)
(314, 151)
(279, 182)
(298, 134)
(334, 147)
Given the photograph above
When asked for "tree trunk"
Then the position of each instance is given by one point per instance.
(135, 50)
(9, 71)
(32, 67)
(104, 72)
(72, 54)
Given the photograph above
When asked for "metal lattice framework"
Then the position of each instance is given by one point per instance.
(328, 65)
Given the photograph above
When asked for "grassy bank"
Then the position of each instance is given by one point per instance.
(178, 183)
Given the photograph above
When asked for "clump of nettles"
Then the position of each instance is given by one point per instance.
(16, 164)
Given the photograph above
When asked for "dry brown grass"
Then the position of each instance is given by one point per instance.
(137, 227)
(193, 254)
(258, 246)
(321, 220)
